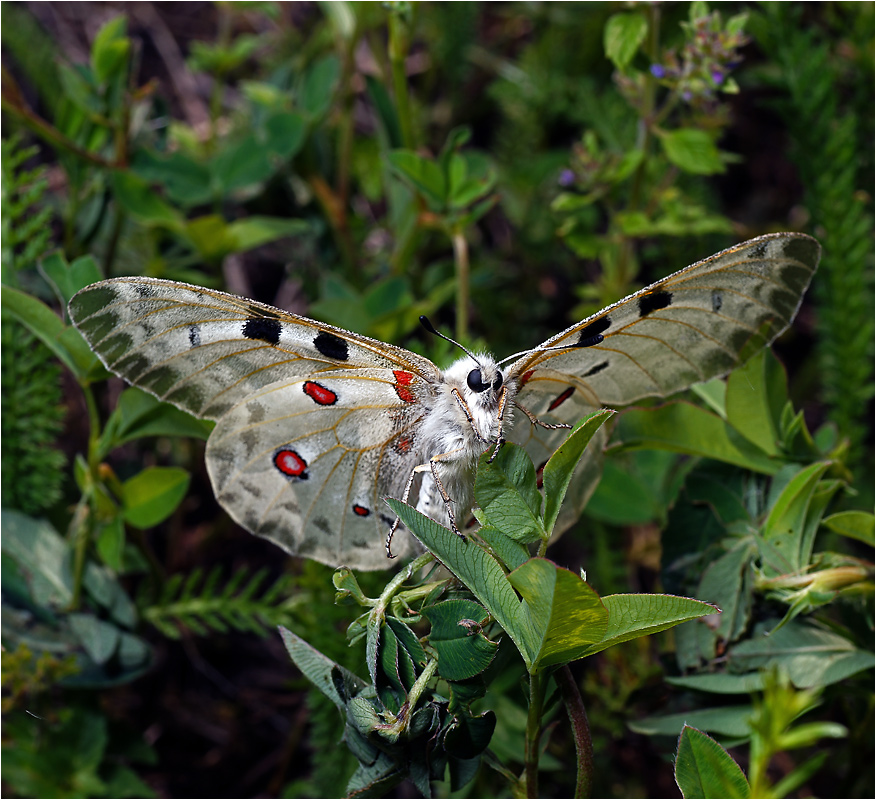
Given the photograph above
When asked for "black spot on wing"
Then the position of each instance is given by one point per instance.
(717, 301)
(759, 250)
(331, 346)
(654, 301)
(597, 369)
(265, 330)
(195, 335)
(592, 333)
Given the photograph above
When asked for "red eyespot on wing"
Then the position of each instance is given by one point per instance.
(403, 445)
(291, 464)
(526, 376)
(558, 401)
(319, 394)
(402, 382)
(539, 476)
(361, 511)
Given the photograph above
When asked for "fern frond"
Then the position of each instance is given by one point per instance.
(206, 605)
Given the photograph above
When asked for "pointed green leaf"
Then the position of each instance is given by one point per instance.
(755, 396)
(693, 150)
(565, 615)
(321, 671)
(478, 570)
(686, 428)
(507, 493)
(622, 36)
(704, 769)
(560, 467)
(423, 174)
(633, 615)
(854, 524)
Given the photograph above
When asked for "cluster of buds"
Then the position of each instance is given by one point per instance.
(708, 56)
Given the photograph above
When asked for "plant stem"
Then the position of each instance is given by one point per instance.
(580, 729)
(398, 48)
(460, 258)
(533, 732)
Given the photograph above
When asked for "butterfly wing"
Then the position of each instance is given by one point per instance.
(307, 463)
(315, 424)
(205, 351)
(694, 325)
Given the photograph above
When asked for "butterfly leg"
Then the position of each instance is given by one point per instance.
(433, 463)
(404, 499)
(500, 418)
(465, 410)
(536, 421)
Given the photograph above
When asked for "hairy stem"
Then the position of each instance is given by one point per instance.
(580, 729)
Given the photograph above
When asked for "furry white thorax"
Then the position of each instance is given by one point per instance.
(447, 431)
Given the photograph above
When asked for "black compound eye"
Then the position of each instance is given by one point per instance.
(497, 384)
(475, 382)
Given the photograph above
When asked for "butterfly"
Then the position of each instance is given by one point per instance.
(315, 425)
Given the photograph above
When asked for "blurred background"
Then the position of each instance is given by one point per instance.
(296, 153)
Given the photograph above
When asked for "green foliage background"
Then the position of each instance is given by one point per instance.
(289, 152)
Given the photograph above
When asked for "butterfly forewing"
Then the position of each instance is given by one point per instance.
(696, 324)
(205, 351)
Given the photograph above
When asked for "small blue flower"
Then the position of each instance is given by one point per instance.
(567, 178)
(717, 76)
(658, 70)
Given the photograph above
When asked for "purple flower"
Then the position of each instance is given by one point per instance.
(717, 76)
(658, 70)
(687, 95)
(567, 178)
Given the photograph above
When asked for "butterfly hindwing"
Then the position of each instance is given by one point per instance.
(205, 351)
(307, 463)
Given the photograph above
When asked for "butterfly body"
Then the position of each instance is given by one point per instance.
(317, 425)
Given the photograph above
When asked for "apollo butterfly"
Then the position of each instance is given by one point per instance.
(316, 425)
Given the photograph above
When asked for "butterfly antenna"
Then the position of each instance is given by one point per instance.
(574, 346)
(424, 321)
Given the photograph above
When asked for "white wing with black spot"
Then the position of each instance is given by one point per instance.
(205, 351)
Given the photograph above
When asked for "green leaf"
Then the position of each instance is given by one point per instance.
(241, 165)
(141, 201)
(152, 495)
(110, 49)
(633, 615)
(337, 683)
(285, 132)
(319, 86)
(854, 524)
(246, 234)
(507, 493)
(185, 180)
(685, 428)
(560, 467)
(111, 544)
(622, 36)
(512, 553)
(67, 279)
(463, 650)
(64, 341)
(721, 682)
(565, 615)
(44, 556)
(704, 769)
(810, 654)
(99, 639)
(478, 570)
(423, 174)
(785, 525)
(730, 721)
(138, 414)
(756, 394)
(692, 150)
